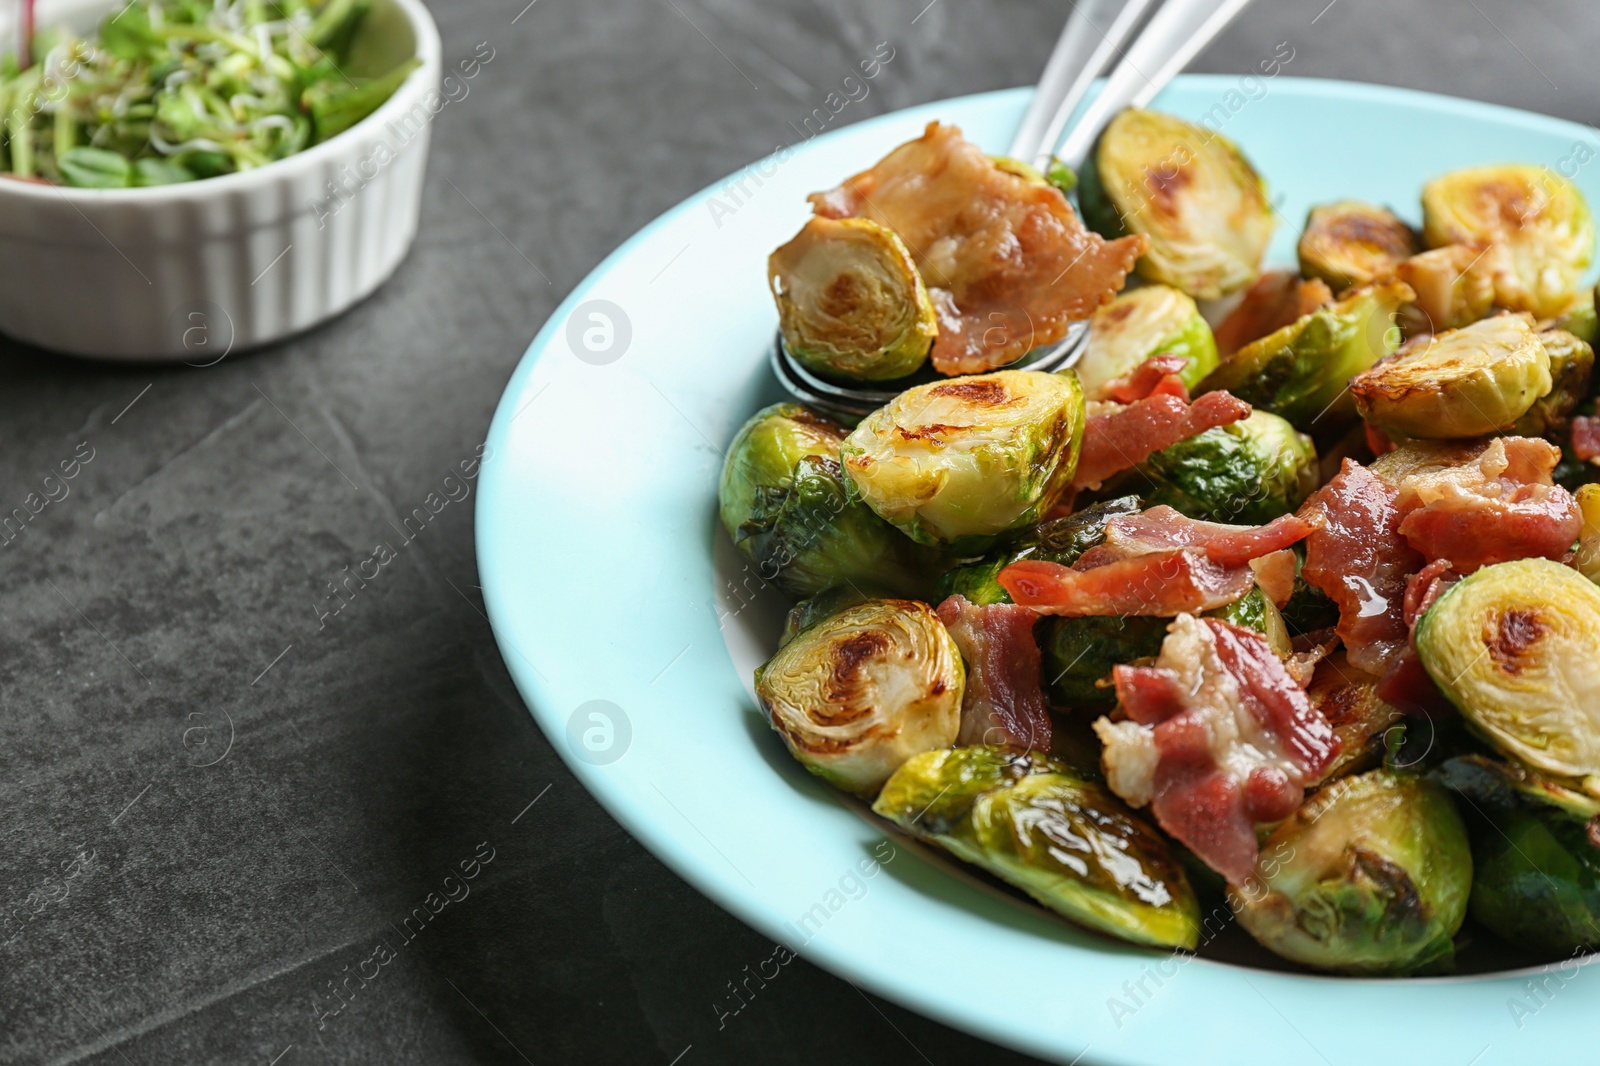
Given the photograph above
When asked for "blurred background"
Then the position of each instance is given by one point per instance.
(252, 791)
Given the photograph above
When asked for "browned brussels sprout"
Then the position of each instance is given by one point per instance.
(1350, 243)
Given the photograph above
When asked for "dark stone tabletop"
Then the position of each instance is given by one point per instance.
(217, 804)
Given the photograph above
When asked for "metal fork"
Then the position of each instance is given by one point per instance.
(1094, 32)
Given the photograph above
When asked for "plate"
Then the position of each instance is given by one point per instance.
(631, 627)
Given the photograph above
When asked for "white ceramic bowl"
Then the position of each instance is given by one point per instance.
(194, 271)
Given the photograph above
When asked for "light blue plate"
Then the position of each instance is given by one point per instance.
(607, 581)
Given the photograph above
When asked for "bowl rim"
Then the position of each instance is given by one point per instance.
(428, 49)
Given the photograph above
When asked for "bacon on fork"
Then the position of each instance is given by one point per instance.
(1007, 261)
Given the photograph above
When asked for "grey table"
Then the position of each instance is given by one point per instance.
(219, 799)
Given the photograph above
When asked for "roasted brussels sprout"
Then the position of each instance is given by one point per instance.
(1571, 368)
(1061, 838)
(1538, 216)
(1370, 876)
(1350, 243)
(1587, 559)
(1254, 610)
(1079, 653)
(1513, 647)
(958, 462)
(803, 524)
(1302, 371)
(1348, 698)
(1579, 319)
(850, 301)
(1187, 188)
(1453, 287)
(813, 609)
(1249, 472)
(1060, 540)
(1465, 382)
(860, 692)
(1151, 320)
(1535, 856)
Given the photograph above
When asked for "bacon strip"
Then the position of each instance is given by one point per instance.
(1160, 528)
(1586, 437)
(1356, 556)
(1121, 437)
(1008, 263)
(1154, 585)
(1218, 737)
(1156, 376)
(1003, 702)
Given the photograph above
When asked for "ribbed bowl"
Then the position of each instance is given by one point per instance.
(194, 271)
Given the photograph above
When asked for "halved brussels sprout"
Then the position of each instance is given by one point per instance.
(1139, 323)
(1348, 698)
(860, 692)
(1187, 188)
(1249, 472)
(1571, 368)
(1537, 215)
(1061, 838)
(1350, 243)
(1453, 287)
(819, 608)
(1536, 865)
(1513, 647)
(850, 301)
(1587, 559)
(790, 511)
(1060, 540)
(1580, 319)
(958, 462)
(1370, 876)
(1302, 371)
(1465, 382)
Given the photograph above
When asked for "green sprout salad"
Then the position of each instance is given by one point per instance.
(167, 91)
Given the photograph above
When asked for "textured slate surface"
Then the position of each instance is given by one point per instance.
(198, 852)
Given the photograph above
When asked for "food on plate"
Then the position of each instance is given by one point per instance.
(959, 462)
(788, 507)
(1535, 214)
(1140, 323)
(857, 694)
(1190, 191)
(1006, 260)
(168, 92)
(851, 303)
(1351, 243)
(1044, 827)
(1289, 607)
(1371, 876)
(1302, 372)
(1460, 383)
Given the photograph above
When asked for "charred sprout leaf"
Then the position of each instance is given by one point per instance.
(1079, 654)
(1453, 287)
(1247, 473)
(1571, 368)
(1139, 323)
(850, 301)
(1513, 647)
(859, 693)
(1493, 785)
(1060, 540)
(1188, 189)
(1370, 876)
(1063, 839)
(1302, 371)
(819, 608)
(959, 462)
(1350, 243)
(1539, 218)
(1466, 382)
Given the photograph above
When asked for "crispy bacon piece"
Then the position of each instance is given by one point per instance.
(1586, 437)
(1501, 504)
(1155, 585)
(1218, 737)
(1162, 527)
(1277, 298)
(1156, 376)
(1356, 556)
(1007, 261)
(1120, 437)
(1004, 699)
(1425, 586)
